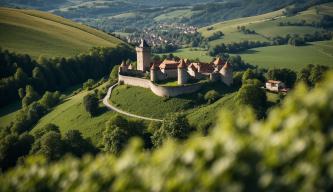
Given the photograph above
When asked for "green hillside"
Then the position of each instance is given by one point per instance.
(267, 25)
(71, 115)
(39, 33)
(287, 56)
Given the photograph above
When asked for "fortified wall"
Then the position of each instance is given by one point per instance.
(162, 91)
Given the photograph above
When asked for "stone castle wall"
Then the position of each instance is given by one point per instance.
(162, 91)
(135, 81)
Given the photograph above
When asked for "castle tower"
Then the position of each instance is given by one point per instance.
(182, 72)
(122, 67)
(143, 56)
(153, 72)
(226, 74)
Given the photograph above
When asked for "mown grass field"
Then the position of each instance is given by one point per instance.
(141, 101)
(39, 33)
(287, 56)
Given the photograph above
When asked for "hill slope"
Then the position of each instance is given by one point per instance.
(40, 33)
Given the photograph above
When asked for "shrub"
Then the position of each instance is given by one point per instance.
(90, 103)
(50, 100)
(253, 96)
(88, 84)
(173, 126)
(211, 96)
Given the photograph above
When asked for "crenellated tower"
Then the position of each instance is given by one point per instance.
(143, 53)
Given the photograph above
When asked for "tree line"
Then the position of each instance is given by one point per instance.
(302, 6)
(17, 71)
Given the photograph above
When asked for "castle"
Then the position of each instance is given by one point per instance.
(181, 70)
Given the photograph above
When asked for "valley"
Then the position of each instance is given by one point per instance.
(141, 95)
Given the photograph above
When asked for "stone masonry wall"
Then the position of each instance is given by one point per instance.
(162, 91)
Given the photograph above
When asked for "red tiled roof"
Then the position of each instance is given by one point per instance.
(204, 67)
(169, 64)
(273, 81)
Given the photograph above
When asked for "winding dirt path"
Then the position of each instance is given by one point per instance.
(109, 106)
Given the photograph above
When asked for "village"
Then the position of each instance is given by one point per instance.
(163, 34)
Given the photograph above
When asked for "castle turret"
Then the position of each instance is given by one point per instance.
(143, 56)
(123, 67)
(226, 74)
(153, 72)
(218, 63)
(182, 73)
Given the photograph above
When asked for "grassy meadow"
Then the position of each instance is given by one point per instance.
(206, 115)
(266, 25)
(192, 53)
(8, 113)
(287, 56)
(70, 114)
(176, 14)
(39, 33)
(141, 101)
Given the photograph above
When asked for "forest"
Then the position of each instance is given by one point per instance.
(18, 71)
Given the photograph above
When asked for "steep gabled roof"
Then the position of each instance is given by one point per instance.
(192, 67)
(218, 61)
(182, 64)
(204, 67)
(169, 64)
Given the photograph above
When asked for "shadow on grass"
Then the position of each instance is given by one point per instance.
(10, 108)
(101, 111)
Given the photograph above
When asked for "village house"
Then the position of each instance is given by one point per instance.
(276, 86)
